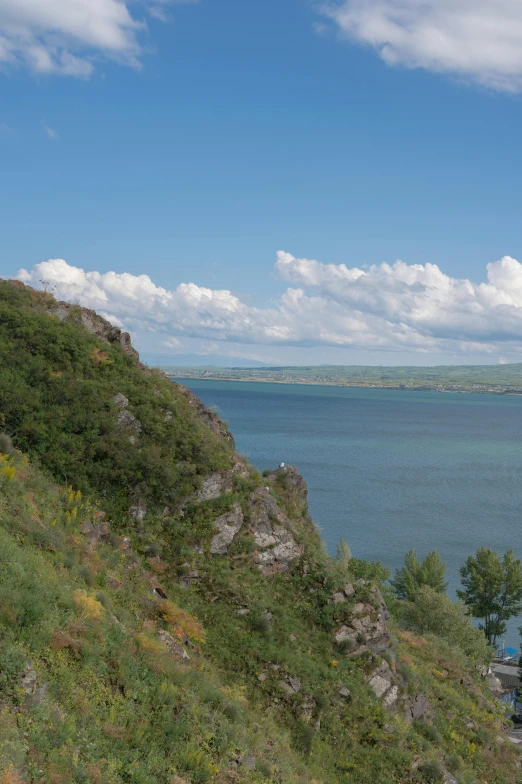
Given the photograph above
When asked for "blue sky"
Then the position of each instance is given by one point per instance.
(193, 149)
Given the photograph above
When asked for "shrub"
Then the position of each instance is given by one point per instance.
(435, 613)
(432, 734)
(431, 771)
(177, 617)
(6, 445)
(88, 605)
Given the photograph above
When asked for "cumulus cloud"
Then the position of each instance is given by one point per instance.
(397, 307)
(67, 36)
(476, 40)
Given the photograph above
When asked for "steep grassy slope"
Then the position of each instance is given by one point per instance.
(169, 615)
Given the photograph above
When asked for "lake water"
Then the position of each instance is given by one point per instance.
(389, 470)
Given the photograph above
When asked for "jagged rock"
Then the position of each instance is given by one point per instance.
(348, 590)
(220, 482)
(125, 418)
(367, 625)
(449, 779)
(391, 697)
(95, 324)
(339, 598)
(293, 481)
(243, 611)
(228, 525)
(173, 646)
(381, 680)
(417, 707)
(213, 486)
(270, 531)
(93, 533)
(291, 685)
(345, 693)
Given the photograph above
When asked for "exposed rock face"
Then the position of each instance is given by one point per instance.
(213, 486)
(228, 525)
(271, 532)
(125, 419)
(95, 324)
(381, 679)
(293, 481)
(94, 532)
(366, 627)
(206, 415)
(291, 686)
(219, 482)
(417, 707)
(173, 646)
(382, 683)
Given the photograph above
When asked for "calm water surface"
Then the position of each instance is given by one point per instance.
(389, 470)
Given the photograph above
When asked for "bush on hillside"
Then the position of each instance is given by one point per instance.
(434, 613)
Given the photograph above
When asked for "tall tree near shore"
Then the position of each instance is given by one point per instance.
(414, 575)
(492, 589)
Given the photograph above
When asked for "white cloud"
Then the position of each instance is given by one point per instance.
(51, 133)
(392, 308)
(67, 36)
(475, 40)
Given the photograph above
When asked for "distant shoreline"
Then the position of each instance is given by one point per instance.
(343, 384)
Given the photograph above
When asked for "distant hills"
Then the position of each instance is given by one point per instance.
(199, 360)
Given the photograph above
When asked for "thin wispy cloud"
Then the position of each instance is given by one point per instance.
(397, 307)
(477, 41)
(69, 37)
(51, 133)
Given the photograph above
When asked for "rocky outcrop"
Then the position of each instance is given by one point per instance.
(291, 480)
(97, 530)
(271, 531)
(365, 627)
(174, 646)
(228, 525)
(384, 685)
(95, 324)
(416, 707)
(220, 482)
(269, 528)
(125, 419)
(211, 419)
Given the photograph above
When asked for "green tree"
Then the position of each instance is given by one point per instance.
(414, 575)
(344, 554)
(434, 613)
(492, 589)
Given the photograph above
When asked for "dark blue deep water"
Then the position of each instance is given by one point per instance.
(389, 470)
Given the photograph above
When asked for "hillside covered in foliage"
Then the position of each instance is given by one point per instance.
(169, 615)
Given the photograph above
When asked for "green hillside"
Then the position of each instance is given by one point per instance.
(168, 615)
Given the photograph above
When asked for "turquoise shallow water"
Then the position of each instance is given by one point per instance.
(387, 469)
